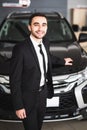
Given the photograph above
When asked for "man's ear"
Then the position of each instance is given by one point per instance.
(29, 27)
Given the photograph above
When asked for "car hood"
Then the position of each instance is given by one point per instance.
(73, 51)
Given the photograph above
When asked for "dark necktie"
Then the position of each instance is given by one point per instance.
(44, 64)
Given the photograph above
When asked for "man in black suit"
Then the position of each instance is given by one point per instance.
(27, 77)
(30, 82)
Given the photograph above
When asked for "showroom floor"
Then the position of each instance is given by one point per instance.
(65, 125)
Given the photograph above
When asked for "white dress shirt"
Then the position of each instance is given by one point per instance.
(40, 58)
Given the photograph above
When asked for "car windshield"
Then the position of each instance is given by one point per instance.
(58, 30)
(15, 30)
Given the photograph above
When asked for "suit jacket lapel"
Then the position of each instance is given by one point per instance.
(45, 42)
(31, 47)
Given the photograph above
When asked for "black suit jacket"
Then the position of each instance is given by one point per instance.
(25, 75)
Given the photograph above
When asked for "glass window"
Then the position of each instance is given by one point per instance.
(58, 30)
(13, 31)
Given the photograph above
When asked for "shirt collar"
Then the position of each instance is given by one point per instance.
(34, 42)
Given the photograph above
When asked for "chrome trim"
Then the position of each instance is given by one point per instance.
(5, 89)
(79, 117)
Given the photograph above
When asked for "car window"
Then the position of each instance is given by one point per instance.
(16, 30)
(58, 30)
(13, 31)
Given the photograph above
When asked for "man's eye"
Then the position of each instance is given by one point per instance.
(44, 25)
(36, 24)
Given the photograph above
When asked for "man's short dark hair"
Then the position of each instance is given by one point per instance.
(36, 14)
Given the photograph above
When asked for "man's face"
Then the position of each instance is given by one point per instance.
(38, 27)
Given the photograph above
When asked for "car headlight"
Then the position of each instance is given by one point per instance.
(4, 84)
(67, 82)
(4, 79)
(78, 77)
(82, 76)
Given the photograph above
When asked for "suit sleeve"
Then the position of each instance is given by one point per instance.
(16, 68)
(50, 90)
(49, 81)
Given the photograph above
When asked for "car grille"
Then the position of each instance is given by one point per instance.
(67, 104)
(67, 100)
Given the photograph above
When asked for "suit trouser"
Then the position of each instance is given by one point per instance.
(35, 118)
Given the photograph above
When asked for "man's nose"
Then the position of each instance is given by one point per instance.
(40, 27)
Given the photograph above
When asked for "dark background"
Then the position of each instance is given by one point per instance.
(39, 5)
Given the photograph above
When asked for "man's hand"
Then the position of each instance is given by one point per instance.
(21, 113)
(68, 61)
